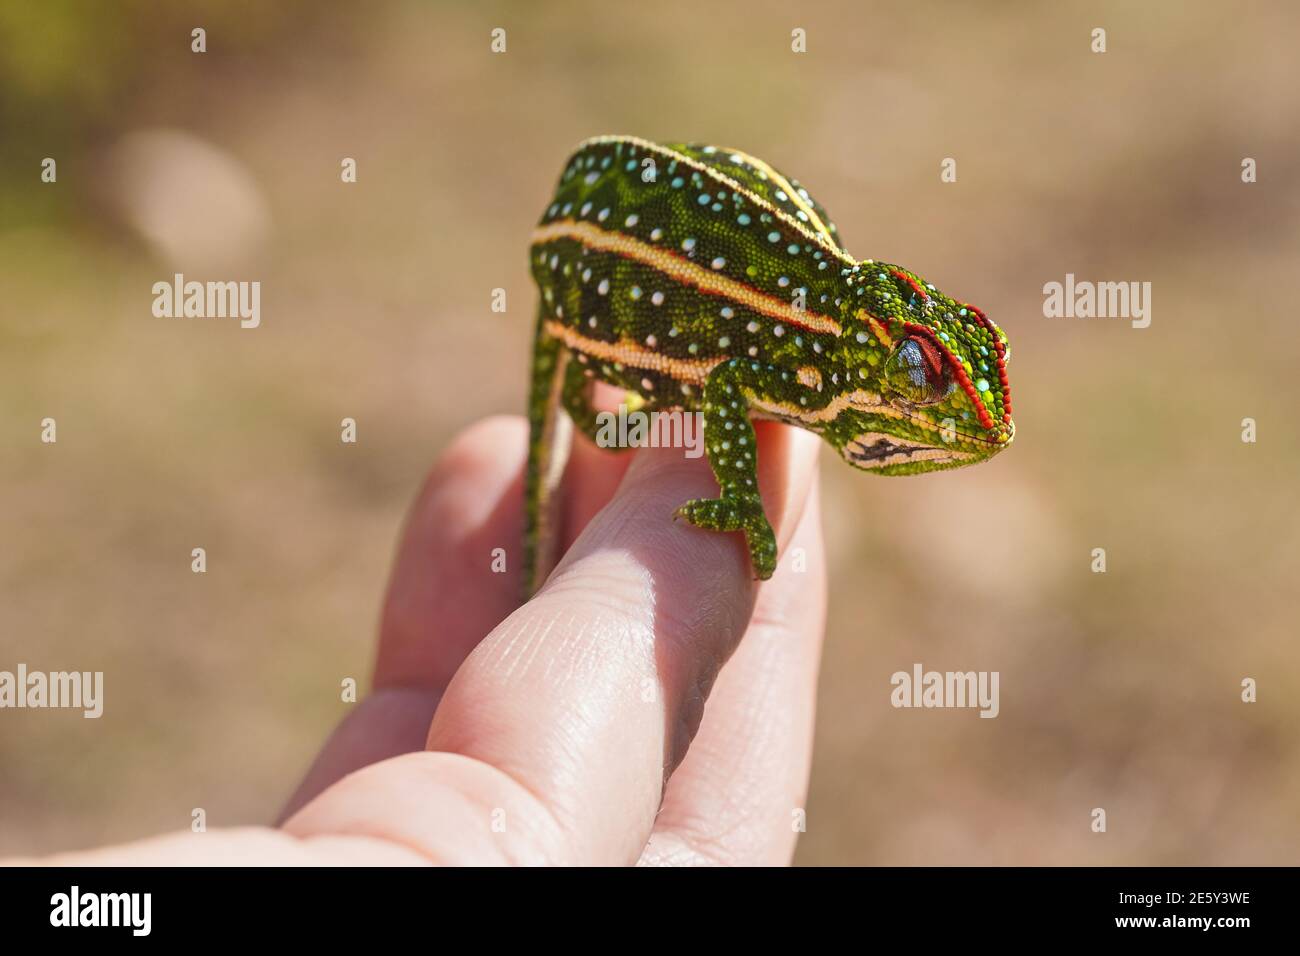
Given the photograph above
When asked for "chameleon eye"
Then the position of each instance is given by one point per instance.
(917, 373)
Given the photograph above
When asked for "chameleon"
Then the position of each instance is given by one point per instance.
(700, 278)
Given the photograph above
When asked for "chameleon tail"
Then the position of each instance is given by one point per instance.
(549, 433)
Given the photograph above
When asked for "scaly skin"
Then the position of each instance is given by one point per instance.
(700, 278)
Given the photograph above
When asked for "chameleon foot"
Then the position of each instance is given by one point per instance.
(737, 513)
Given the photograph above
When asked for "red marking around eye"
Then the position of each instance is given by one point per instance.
(1001, 360)
(912, 282)
(924, 334)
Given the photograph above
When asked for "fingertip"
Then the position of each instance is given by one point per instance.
(481, 446)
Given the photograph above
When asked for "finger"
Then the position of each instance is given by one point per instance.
(434, 611)
(446, 590)
(452, 809)
(737, 796)
(443, 596)
(585, 696)
(445, 593)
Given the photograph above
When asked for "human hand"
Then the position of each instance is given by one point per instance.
(561, 736)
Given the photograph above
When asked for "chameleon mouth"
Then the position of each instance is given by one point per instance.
(877, 451)
(892, 454)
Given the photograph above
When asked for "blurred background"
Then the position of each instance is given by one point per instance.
(1119, 690)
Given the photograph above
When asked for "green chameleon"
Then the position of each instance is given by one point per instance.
(700, 278)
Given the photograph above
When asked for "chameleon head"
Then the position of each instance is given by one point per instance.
(930, 375)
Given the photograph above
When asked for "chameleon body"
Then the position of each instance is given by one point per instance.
(700, 278)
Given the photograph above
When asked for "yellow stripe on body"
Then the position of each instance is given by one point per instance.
(684, 271)
(627, 352)
(831, 410)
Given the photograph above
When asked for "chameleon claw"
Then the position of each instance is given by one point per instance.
(737, 514)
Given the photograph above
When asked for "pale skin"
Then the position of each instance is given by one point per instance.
(558, 721)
